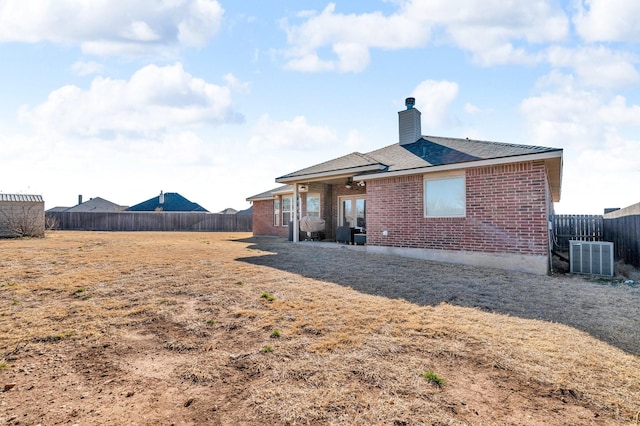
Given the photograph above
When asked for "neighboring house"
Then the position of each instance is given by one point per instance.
(248, 211)
(95, 205)
(21, 215)
(169, 202)
(229, 210)
(445, 199)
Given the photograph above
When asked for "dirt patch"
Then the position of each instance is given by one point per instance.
(177, 328)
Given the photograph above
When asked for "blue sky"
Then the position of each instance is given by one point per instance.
(215, 99)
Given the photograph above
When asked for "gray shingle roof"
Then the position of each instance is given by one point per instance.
(426, 152)
(269, 194)
(438, 151)
(346, 162)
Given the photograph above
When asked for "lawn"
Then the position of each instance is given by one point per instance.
(224, 328)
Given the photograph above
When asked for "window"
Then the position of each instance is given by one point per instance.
(444, 197)
(313, 205)
(276, 212)
(287, 210)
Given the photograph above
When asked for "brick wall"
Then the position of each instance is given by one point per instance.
(263, 220)
(506, 211)
(263, 212)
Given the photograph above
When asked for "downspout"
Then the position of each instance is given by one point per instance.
(296, 226)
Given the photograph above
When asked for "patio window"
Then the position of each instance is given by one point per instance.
(276, 212)
(444, 196)
(287, 210)
(313, 205)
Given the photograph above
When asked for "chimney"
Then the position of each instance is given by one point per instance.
(161, 197)
(409, 123)
(79, 199)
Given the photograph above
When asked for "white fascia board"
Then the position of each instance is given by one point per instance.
(331, 175)
(465, 165)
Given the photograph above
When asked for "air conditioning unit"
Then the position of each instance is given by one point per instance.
(591, 257)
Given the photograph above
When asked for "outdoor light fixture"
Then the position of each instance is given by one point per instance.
(361, 183)
(348, 184)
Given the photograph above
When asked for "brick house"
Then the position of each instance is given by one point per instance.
(445, 199)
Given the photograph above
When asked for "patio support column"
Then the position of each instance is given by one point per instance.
(296, 226)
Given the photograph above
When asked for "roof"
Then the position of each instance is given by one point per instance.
(22, 198)
(268, 195)
(430, 153)
(229, 210)
(97, 204)
(173, 202)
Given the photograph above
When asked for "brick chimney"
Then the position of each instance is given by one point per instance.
(409, 123)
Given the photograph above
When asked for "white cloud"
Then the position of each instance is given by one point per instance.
(154, 99)
(608, 20)
(104, 27)
(296, 134)
(617, 112)
(598, 133)
(597, 66)
(237, 85)
(350, 36)
(86, 68)
(433, 99)
(487, 29)
(475, 110)
(200, 22)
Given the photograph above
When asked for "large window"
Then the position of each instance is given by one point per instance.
(444, 196)
(287, 210)
(313, 205)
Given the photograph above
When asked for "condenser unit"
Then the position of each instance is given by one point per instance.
(591, 257)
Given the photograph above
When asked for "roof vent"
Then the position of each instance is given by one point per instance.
(409, 123)
(410, 102)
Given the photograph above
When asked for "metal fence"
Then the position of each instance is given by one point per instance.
(149, 221)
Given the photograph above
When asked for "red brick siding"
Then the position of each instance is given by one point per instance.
(263, 212)
(506, 211)
(263, 220)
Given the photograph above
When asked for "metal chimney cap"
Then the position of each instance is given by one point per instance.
(410, 102)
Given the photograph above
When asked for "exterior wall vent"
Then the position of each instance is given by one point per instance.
(591, 257)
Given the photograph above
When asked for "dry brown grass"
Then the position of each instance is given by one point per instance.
(148, 328)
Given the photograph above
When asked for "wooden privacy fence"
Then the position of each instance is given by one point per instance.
(624, 232)
(579, 227)
(149, 221)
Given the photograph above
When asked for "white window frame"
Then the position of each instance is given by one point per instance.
(287, 212)
(354, 210)
(276, 211)
(445, 176)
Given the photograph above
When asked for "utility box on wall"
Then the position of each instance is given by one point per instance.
(591, 257)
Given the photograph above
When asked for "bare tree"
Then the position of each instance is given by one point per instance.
(22, 220)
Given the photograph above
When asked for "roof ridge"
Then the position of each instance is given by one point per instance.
(511, 144)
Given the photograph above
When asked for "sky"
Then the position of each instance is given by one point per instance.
(215, 99)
